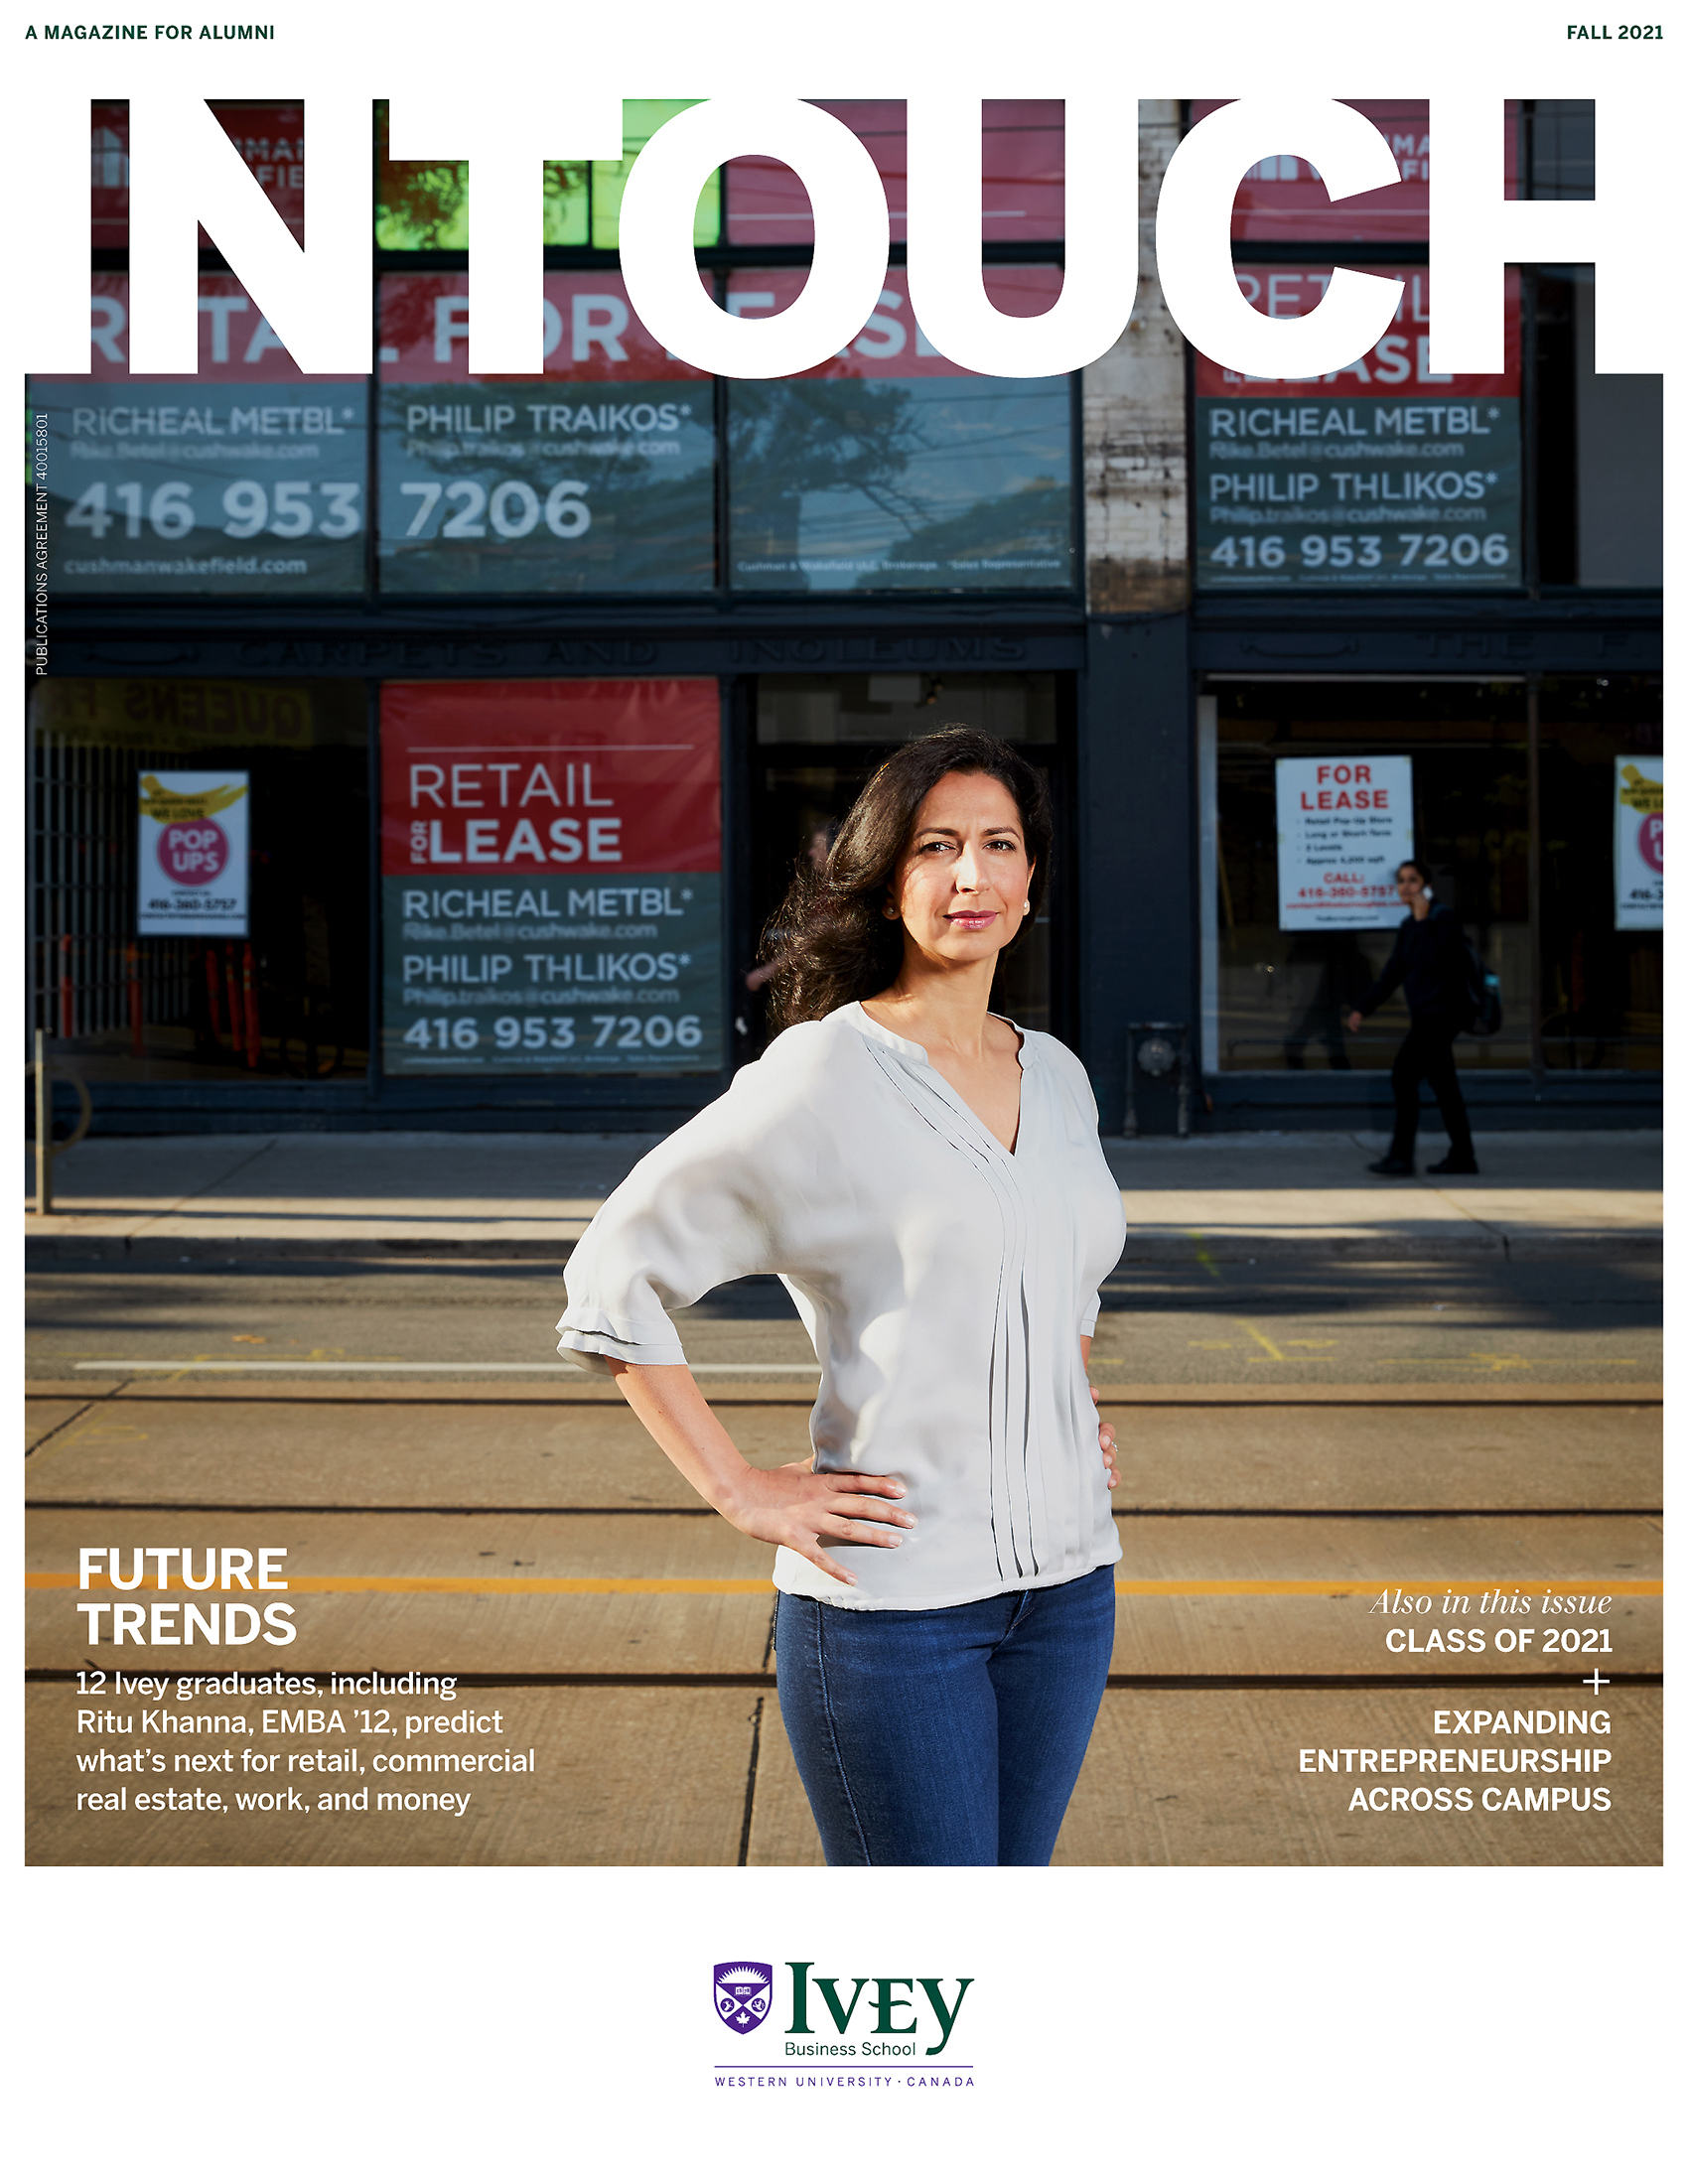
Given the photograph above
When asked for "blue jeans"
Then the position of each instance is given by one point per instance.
(949, 1735)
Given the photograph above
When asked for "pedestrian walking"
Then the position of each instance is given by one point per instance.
(926, 1180)
(1431, 965)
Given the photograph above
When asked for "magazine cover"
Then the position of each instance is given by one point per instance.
(840, 946)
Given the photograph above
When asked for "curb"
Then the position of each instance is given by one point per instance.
(1178, 1248)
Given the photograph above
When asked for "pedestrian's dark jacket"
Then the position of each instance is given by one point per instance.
(1430, 964)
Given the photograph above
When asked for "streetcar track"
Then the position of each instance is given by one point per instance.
(748, 1824)
(598, 1509)
(53, 1431)
(764, 1680)
(1202, 1396)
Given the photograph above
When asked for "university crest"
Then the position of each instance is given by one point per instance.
(743, 1992)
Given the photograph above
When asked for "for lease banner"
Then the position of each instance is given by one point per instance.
(597, 477)
(1638, 844)
(245, 481)
(1022, 181)
(551, 878)
(1343, 825)
(1384, 474)
(1283, 198)
(191, 862)
(269, 135)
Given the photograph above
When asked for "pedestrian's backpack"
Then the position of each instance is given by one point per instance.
(1483, 988)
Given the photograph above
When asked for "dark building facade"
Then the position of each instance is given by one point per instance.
(432, 751)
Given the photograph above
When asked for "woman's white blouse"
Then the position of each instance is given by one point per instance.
(944, 1282)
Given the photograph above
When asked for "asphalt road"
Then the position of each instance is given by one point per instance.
(1460, 1322)
(1297, 1443)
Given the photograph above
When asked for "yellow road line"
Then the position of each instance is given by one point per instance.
(65, 1581)
(59, 1580)
(1316, 1588)
(175, 1367)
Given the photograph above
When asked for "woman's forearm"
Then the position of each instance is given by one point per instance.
(670, 1406)
(793, 1505)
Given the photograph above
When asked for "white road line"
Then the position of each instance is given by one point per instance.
(355, 1365)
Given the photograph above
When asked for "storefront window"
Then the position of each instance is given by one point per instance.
(247, 481)
(269, 135)
(1599, 468)
(599, 477)
(1384, 475)
(1284, 199)
(640, 120)
(551, 878)
(1300, 912)
(891, 468)
(1601, 878)
(199, 896)
(424, 204)
(1021, 201)
(1455, 760)
(1559, 141)
(1601, 474)
(1444, 463)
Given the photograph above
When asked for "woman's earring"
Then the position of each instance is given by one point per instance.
(1025, 907)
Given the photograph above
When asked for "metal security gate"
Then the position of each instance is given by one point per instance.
(90, 974)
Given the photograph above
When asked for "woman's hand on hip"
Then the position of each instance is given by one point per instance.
(1110, 1446)
(797, 1506)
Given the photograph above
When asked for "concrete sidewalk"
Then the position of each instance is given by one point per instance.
(1306, 1194)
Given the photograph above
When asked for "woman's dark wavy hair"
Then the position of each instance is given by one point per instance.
(829, 937)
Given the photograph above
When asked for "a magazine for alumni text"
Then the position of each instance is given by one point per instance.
(840, 953)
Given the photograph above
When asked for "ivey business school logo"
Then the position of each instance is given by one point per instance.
(899, 2013)
(743, 1992)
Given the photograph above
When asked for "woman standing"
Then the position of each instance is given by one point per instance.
(1430, 964)
(926, 1180)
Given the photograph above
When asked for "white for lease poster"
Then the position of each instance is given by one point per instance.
(1637, 860)
(1343, 825)
(190, 867)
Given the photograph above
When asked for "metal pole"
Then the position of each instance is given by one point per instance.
(1532, 715)
(43, 1129)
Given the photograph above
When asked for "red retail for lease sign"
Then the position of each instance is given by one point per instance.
(551, 777)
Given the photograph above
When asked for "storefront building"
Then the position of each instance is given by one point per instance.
(432, 752)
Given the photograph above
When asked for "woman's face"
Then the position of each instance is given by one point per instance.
(961, 884)
(1409, 882)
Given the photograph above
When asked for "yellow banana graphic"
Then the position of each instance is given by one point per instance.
(172, 807)
(1639, 794)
